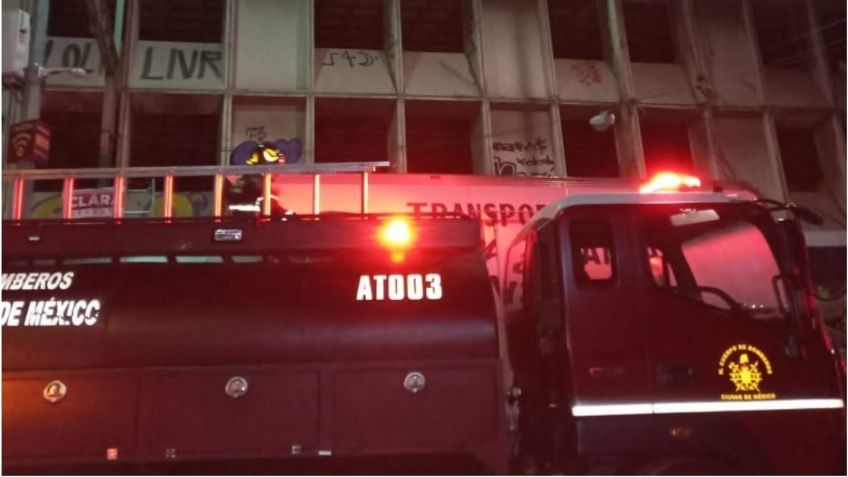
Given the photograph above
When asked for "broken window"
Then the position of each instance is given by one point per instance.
(576, 29)
(783, 33)
(439, 135)
(588, 152)
(352, 130)
(349, 24)
(831, 16)
(193, 21)
(665, 145)
(432, 25)
(650, 38)
(800, 158)
(175, 129)
(68, 19)
(74, 121)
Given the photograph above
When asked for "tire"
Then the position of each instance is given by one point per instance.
(688, 465)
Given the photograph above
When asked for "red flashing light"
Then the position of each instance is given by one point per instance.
(396, 234)
(670, 182)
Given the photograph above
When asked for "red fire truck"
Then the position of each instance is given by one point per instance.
(611, 331)
(657, 333)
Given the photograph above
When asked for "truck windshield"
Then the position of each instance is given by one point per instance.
(725, 262)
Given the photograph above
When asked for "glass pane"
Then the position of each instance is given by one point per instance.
(736, 259)
(592, 251)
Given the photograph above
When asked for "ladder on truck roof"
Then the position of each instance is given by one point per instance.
(119, 176)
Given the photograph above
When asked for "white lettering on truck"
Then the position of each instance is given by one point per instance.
(51, 312)
(399, 287)
(37, 281)
(46, 313)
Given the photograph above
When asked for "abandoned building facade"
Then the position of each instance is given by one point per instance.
(748, 90)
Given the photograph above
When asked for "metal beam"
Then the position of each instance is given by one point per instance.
(101, 26)
(190, 171)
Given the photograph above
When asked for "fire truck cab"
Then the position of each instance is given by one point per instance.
(668, 332)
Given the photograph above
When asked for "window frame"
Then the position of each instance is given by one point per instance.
(682, 271)
(577, 260)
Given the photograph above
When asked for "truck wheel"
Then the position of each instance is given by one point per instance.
(524, 464)
(684, 465)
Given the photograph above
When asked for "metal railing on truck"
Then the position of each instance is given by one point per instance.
(119, 176)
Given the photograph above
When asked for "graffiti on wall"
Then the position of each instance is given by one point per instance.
(255, 133)
(155, 63)
(73, 53)
(163, 62)
(350, 58)
(588, 73)
(523, 158)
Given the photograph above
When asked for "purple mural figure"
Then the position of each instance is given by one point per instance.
(244, 194)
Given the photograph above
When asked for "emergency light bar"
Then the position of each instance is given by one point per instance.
(670, 182)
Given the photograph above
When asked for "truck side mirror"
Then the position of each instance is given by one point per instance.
(778, 283)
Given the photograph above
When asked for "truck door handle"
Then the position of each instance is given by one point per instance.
(675, 375)
(607, 372)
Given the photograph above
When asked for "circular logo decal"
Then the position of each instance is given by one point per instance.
(55, 391)
(746, 368)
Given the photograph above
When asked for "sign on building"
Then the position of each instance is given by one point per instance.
(29, 141)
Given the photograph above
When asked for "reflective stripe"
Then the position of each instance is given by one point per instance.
(684, 407)
(612, 410)
(732, 406)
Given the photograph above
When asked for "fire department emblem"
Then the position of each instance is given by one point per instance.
(745, 374)
(745, 367)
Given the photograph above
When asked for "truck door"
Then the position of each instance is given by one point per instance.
(603, 335)
(736, 366)
(575, 343)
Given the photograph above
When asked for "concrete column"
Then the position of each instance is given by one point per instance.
(108, 121)
(702, 135)
(557, 141)
(557, 144)
(309, 116)
(628, 136)
(472, 29)
(628, 141)
(32, 73)
(774, 153)
(759, 77)
(393, 43)
(226, 125)
(124, 115)
(309, 131)
(821, 72)
(484, 163)
(396, 142)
